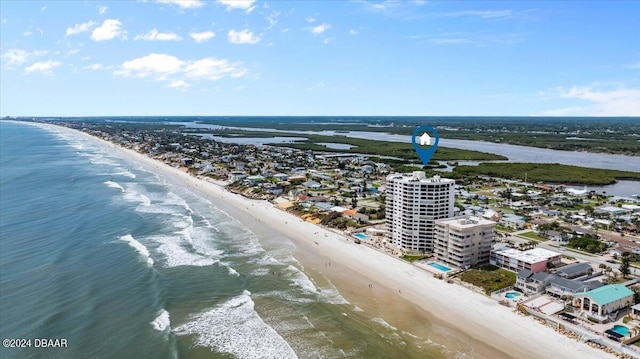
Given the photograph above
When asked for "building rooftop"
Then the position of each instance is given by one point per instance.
(608, 293)
(530, 256)
(464, 222)
(571, 270)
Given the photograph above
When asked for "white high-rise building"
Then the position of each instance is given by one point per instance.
(413, 204)
(464, 242)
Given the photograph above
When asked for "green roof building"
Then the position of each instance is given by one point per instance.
(599, 303)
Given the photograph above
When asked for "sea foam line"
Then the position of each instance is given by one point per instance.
(139, 247)
(112, 184)
(162, 321)
(234, 327)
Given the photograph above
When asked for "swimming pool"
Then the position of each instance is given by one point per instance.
(361, 236)
(620, 329)
(512, 295)
(440, 266)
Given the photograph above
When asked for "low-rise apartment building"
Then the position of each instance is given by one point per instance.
(536, 259)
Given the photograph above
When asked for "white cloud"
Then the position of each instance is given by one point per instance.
(184, 4)
(353, 32)
(451, 41)
(318, 85)
(213, 69)
(616, 102)
(245, 5)
(179, 85)
(78, 28)
(154, 35)
(320, 29)
(243, 37)
(110, 29)
(174, 71)
(380, 6)
(42, 67)
(273, 19)
(96, 67)
(484, 14)
(43, 8)
(310, 19)
(102, 9)
(18, 57)
(158, 65)
(202, 36)
(27, 33)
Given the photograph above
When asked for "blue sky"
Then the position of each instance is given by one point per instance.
(244, 57)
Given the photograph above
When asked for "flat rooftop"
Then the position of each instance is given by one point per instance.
(463, 223)
(530, 256)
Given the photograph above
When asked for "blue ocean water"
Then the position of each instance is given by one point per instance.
(121, 263)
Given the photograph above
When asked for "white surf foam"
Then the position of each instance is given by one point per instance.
(301, 280)
(162, 321)
(125, 173)
(142, 250)
(131, 195)
(176, 255)
(384, 324)
(112, 184)
(233, 272)
(235, 328)
(173, 199)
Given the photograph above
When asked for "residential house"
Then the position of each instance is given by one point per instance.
(534, 283)
(512, 221)
(574, 270)
(601, 302)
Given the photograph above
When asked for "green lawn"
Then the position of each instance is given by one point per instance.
(410, 258)
(504, 229)
(490, 278)
(533, 235)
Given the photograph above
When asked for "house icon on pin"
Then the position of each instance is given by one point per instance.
(425, 140)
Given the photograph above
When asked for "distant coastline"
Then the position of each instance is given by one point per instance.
(483, 321)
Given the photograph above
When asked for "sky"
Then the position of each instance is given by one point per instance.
(357, 57)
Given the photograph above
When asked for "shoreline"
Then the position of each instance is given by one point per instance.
(402, 294)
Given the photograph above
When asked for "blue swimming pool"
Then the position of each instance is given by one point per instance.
(620, 329)
(512, 295)
(440, 266)
(361, 236)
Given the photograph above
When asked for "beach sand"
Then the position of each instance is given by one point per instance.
(402, 294)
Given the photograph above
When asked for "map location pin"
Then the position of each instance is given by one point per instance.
(425, 140)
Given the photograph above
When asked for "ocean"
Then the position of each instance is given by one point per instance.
(122, 263)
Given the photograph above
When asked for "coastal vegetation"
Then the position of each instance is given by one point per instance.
(413, 258)
(490, 278)
(544, 172)
(604, 135)
(400, 150)
(587, 243)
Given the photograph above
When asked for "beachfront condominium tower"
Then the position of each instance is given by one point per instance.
(463, 241)
(414, 203)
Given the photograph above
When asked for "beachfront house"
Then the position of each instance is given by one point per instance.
(603, 303)
(536, 259)
(551, 283)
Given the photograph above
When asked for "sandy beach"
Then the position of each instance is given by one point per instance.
(402, 294)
